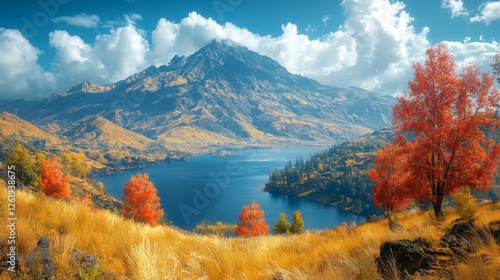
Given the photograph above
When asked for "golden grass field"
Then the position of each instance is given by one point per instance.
(128, 250)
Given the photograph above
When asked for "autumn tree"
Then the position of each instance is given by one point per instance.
(52, 183)
(440, 124)
(282, 226)
(74, 164)
(297, 223)
(140, 202)
(25, 167)
(252, 222)
(389, 177)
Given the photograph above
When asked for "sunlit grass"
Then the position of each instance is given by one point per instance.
(129, 250)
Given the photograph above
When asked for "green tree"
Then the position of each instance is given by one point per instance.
(465, 204)
(298, 223)
(74, 164)
(26, 169)
(282, 226)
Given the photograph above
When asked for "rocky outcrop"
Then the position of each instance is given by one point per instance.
(40, 257)
(406, 257)
(403, 258)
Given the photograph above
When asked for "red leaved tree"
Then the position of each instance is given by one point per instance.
(252, 222)
(140, 202)
(51, 181)
(440, 125)
(389, 176)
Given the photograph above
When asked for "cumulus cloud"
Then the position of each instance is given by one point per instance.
(467, 52)
(456, 7)
(81, 20)
(112, 57)
(489, 12)
(20, 74)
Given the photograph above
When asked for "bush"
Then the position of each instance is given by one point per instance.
(465, 204)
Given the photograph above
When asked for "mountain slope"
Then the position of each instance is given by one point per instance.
(226, 93)
(98, 130)
(15, 127)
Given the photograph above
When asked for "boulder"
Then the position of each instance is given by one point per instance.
(84, 260)
(409, 257)
(41, 256)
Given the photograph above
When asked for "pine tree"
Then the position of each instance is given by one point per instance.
(297, 224)
(282, 226)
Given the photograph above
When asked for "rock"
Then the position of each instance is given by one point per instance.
(83, 260)
(409, 257)
(41, 256)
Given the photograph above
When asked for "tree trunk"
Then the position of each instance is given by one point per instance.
(437, 207)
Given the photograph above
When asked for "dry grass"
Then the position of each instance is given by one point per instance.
(127, 250)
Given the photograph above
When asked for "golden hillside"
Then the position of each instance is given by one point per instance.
(128, 250)
(12, 125)
(99, 130)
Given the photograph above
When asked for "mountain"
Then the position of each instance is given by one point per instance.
(224, 94)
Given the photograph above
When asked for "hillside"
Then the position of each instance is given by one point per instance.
(107, 147)
(14, 127)
(127, 250)
(336, 176)
(100, 131)
(223, 95)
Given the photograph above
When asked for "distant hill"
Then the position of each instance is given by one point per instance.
(100, 131)
(222, 95)
(17, 128)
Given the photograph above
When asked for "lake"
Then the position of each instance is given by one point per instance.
(215, 188)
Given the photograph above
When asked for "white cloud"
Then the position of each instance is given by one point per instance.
(82, 20)
(489, 12)
(132, 19)
(20, 75)
(325, 19)
(456, 7)
(112, 57)
(467, 52)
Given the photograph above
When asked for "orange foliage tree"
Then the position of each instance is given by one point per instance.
(440, 129)
(51, 181)
(252, 222)
(140, 202)
(389, 175)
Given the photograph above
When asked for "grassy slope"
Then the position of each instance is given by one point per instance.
(128, 250)
(11, 125)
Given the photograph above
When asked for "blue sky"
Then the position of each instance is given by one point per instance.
(47, 46)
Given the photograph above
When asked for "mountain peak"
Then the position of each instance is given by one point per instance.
(90, 87)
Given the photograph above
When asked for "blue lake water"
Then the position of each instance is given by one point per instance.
(215, 188)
